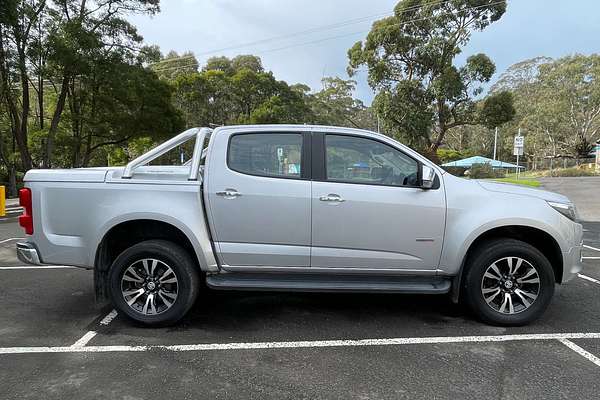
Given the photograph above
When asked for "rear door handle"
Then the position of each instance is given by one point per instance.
(229, 193)
(332, 197)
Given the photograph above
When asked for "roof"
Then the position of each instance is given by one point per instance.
(468, 162)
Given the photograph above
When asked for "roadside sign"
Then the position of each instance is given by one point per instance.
(518, 145)
(518, 151)
(519, 141)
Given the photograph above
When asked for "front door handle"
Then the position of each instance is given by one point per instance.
(229, 193)
(332, 197)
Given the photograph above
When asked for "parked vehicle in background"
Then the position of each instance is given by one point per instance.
(300, 208)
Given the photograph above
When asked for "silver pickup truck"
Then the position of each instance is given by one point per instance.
(299, 208)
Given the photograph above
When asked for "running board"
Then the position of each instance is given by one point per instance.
(327, 283)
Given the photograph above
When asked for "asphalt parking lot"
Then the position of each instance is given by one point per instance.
(56, 343)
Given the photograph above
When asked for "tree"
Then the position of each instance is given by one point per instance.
(17, 19)
(221, 63)
(335, 105)
(203, 98)
(410, 60)
(173, 65)
(247, 61)
(115, 103)
(520, 75)
(238, 90)
(56, 42)
(557, 106)
(575, 82)
(234, 65)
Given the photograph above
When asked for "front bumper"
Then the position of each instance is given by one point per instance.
(572, 262)
(27, 253)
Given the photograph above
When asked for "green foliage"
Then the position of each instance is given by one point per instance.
(405, 113)
(335, 105)
(484, 171)
(449, 155)
(84, 60)
(172, 65)
(575, 84)
(238, 91)
(121, 155)
(410, 55)
(234, 65)
(557, 108)
(247, 61)
(496, 109)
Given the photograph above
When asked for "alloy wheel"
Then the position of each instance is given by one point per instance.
(149, 286)
(510, 285)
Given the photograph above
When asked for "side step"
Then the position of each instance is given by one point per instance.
(327, 283)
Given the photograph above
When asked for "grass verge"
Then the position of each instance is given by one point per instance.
(524, 182)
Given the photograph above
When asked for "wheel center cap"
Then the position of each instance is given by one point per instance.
(151, 286)
(508, 284)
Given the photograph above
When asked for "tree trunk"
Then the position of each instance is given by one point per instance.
(41, 99)
(12, 181)
(88, 151)
(18, 120)
(21, 131)
(60, 105)
(435, 144)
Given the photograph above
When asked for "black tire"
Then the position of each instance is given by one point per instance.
(167, 254)
(497, 252)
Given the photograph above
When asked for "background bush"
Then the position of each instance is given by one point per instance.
(484, 171)
(574, 171)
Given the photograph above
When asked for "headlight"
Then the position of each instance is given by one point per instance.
(566, 209)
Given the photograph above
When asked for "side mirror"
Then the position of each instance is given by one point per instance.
(427, 177)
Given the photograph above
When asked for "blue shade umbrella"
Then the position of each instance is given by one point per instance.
(469, 162)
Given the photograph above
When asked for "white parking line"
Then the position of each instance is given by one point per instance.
(8, 240)
(109, 317)
(590, 258)
(581, 351)
(591, 248)
(40, 267)
(303, 344)
(588, 278)
(85, 339)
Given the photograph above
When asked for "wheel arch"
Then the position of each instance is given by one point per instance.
(538, 238)
(122, 234)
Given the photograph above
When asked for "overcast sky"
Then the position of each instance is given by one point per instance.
(529, 28)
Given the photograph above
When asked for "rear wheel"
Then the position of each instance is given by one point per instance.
(154, 282)
(508, 282)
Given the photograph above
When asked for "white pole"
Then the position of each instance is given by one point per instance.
(518, 169)
(495, 142)
(598, 155)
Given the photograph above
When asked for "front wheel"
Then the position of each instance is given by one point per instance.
(154, 282)
(508, 282)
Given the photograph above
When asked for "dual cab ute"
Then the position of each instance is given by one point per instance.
(299, 208)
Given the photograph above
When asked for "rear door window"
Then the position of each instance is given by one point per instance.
(276, 155)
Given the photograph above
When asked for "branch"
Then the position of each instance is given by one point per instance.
(126, 138)
(33, 20)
